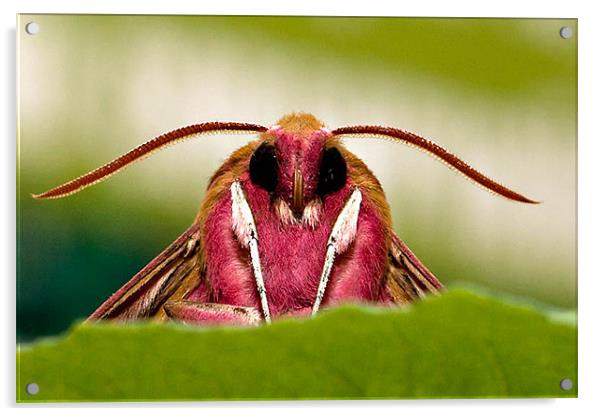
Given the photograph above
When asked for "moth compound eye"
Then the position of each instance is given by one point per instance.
(263, 167)
(333, 172)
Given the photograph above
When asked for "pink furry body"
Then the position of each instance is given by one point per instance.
(292, 250)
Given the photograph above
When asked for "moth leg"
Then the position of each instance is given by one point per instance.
(198, 313)
(243, 225)
(361, 279)
(342, 234)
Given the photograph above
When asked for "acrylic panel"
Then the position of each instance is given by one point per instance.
(296, 241)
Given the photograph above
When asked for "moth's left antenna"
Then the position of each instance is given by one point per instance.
(143, 151)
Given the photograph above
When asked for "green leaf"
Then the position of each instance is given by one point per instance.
(455, 345)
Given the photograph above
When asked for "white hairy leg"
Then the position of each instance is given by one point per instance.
(243, 225)
(342, 234)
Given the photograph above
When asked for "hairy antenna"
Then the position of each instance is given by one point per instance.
(398, 135)
(145, 150)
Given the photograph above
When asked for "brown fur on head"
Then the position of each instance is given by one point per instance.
(300, 123)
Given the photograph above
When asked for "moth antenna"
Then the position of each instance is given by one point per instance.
(406, 137)
(143, 151)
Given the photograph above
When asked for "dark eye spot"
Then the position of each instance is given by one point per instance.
(263, 167)
(333, 172)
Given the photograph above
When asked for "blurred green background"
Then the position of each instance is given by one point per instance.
(501, 93)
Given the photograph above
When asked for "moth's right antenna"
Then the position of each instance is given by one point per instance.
(433, 149)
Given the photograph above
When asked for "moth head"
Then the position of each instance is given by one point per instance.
(298, 161)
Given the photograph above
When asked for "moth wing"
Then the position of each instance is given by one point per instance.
(407, 278)
(169, 276)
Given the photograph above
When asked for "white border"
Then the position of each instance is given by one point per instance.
(590, 175)
(509, 8)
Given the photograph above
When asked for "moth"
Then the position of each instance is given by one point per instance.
(290, 223)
